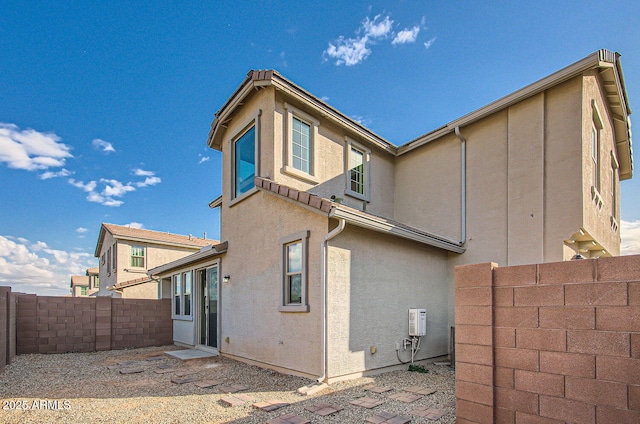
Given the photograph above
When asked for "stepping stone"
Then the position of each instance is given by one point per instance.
(207, 383)
(127, 362)
(165, 370)
(236, 400)
(405, 397)
(387, 418)
(179, 380)
(155, 358)
(450, 404)
(131, 370)
(186, 373)
(289, 419)
(425, 391)
(270, 405)
(428, 413)
(163, 366)
(323, 409)
(366, 402)
(234, 388)
(377, 389)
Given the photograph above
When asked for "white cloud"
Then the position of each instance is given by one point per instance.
(406, 36)
(36, 268)
(50, 174)
(31, 150)
(114, 188)
(351, 51)
(630, 237)
(149, 181)
(142, 173)
(105, 146)
(88, 187)
(134, 224)
(81, 230)
(203, 158)
(429, 43)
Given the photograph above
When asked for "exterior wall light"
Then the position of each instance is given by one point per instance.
(226, 278)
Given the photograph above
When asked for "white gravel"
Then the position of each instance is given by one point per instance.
(89, 388)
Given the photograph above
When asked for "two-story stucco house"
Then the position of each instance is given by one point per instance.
(85, 285)
(332, 234)
(126, 254)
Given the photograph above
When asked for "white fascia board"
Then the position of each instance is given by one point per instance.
(380, 225)
(205, 253)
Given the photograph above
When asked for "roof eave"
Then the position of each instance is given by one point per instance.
(383, 226)
(205, 253)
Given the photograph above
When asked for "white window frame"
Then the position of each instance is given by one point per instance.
(291, 114)
(366, 157)
(179, 288)
(253, 122)
(114, 256)
(144, 256)
(108, 261)
(285, 306)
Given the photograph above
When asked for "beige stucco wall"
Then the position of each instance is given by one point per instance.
(256, 330)
(330, 151)
(373, 280)
(597, 221)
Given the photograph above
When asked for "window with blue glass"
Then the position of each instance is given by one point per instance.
(244, 162)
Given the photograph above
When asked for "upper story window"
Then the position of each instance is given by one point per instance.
(244, 162)
(137, 256)
(301, 138)
(301, 145)
(109, 261)
(96, 282)
(357, 170)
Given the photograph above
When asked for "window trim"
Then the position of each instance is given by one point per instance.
(180, 295)
(288, 168)
(254, 122)
(144, 256)
(595, 142)
(303, 306)
(366, 156)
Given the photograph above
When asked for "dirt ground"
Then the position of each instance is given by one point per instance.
(135, 386)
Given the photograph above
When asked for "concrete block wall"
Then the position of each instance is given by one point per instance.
(49, 324)
(553, 343)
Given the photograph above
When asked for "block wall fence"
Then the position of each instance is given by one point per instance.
(548, 343)
(49, 324)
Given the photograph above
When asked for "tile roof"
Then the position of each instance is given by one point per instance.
(303, 197)
(150, 236)
(79, 280)
(129, 283)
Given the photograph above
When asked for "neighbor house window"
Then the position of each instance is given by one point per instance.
(114, 256)
(96, 282)
(137, 256)
(294, 273)
(357, 170)
(109, 261)
(182, 288)
(83, 291)
(301, 137)
(244, 162)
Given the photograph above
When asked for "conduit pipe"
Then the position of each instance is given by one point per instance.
(463, 185)
(323, 278)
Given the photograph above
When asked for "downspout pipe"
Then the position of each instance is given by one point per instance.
(323, 278)
(463, 186)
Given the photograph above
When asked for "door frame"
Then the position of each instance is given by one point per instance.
(199, 300)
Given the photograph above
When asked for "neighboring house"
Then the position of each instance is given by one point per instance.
(125, 254)
(332, 233)
(85, 285)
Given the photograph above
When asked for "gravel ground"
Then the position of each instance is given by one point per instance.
(89, 387)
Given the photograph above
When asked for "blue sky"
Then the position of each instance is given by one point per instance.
(105, 107)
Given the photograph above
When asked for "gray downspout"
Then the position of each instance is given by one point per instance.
(323, 278)
(463, 186)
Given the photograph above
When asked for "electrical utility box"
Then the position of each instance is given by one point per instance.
(417, 322)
